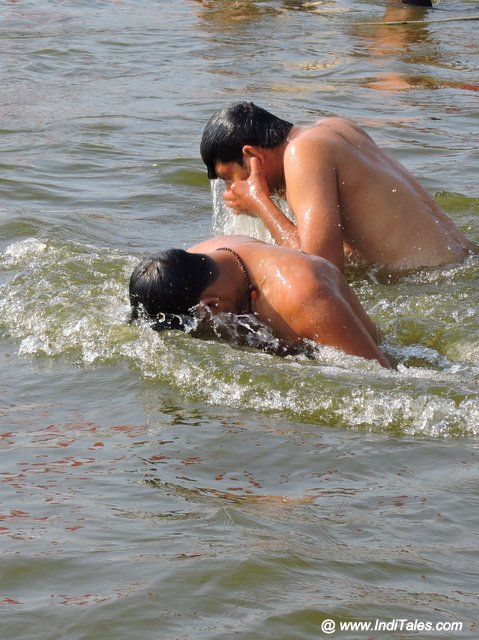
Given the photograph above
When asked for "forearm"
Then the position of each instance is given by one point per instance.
(284, 232)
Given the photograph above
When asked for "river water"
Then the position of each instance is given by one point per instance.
(157, 486)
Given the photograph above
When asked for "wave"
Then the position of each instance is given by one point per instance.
(69, 300)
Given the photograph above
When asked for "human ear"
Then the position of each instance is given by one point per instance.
(249, 151)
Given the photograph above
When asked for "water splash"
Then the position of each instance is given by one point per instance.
(225, 222)
(69, 301)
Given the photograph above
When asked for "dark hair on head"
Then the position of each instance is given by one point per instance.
(170, 282)
(231, 128)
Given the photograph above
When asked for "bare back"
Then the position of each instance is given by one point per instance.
(343, 187)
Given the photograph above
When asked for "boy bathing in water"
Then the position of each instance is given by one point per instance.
(346, 194)
(298, 296)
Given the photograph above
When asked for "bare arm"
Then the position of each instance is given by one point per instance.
(252, 196)
(311, 176)
(328, 318)
(312, 193)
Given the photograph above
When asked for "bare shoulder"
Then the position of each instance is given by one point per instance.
(302, 276)
(338, 128)
(211, 244)
(309, 144)
(319, 274)
(330, 142)
(323, 135)
(322, 126)
(338, 124)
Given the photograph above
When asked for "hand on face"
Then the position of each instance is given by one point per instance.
(246, 196)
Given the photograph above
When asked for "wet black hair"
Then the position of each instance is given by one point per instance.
(229, 129)
(170, 282)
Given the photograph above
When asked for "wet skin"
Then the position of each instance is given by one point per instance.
(346, 195)
(299, 296)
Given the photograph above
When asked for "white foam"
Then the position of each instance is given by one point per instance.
(30, 247)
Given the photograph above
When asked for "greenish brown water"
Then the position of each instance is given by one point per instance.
(158, 486)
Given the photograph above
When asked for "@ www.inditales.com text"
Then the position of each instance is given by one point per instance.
(330, 626)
